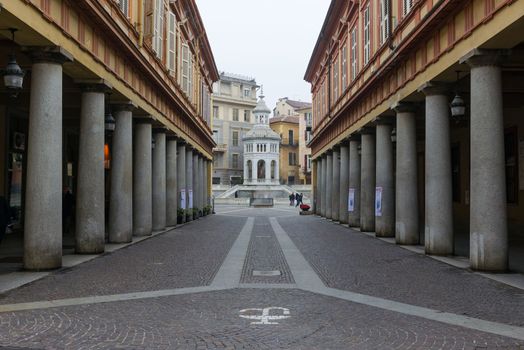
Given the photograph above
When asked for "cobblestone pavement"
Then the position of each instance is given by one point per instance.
(185, 257)
(132, 303)
(264, 255)
(350, 260)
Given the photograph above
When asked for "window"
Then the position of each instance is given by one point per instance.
(247, 92)
(407, 6)
(235, 114)
(292, 158)
(335, 80)
(247, 114)
(124, 6)
(186, 69)
(234, 160)
(367, 35)
(344, 68)
(384, 20)
(216, 180)
(215, 112)
(158, 28)
(308, 162)
(171, 43)
(290, 136)
(235, 138)
(354, 53)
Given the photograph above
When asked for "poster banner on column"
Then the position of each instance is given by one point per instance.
(351, 200)
(183, 199)
(378, 201)
(190, 193)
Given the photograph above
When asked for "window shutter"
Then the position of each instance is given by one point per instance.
(171, 43)
(149, 10)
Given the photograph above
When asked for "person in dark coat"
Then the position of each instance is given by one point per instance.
(291, 199)
(299, 199)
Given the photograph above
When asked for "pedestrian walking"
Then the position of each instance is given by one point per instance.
(291, 199)
(298, 199)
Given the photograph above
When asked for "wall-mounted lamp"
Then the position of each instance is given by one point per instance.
(394, 135)
(109, 121)
(458, 106)
(13, 74)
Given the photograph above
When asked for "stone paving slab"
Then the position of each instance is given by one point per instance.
(349, 260)
(212, 321)
(265, 255)
(185, 257)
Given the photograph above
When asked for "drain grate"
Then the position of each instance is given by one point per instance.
(267, 273)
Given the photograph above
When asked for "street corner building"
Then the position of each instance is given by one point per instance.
(417, 124)
(105, 121)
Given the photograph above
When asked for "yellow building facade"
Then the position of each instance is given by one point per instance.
(288, 129)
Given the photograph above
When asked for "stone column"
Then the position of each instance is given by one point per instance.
(335, 186)
(344, 184)
(488, 216)
(90, 203)
(268, 170)
(385, 188)
(323, 186)
(171, 182)
(367, 183)
(354, 182)
(329, 185)
(406, 219)
(314, 177)
(142, 180)
(43, 204)
(318, 192)
(196, 181)
(189, 181)
(207, 181)
(159, 181)
(181, 177)
(439, 197)
(202, 186)
(121, 197)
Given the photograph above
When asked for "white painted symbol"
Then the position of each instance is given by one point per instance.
(265, 318)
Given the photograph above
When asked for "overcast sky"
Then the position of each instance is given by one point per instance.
(270, 40)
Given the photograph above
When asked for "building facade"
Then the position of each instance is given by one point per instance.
(261, 149)
(417, 128)
(286, 106)
(288, 129)
(234, 97)
(304, 151)
(115, 115)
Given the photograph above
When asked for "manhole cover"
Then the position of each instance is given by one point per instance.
(267, 273)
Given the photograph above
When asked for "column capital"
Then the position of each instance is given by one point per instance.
(431, 88)
(144, 120)
(123, 106)
(354, 137)
(366, 130)
(384, 120)
(485, 57)
(94, 85)
(50, 54)
(404, 107)
(160, 130)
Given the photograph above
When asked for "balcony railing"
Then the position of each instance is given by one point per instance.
(220, 147)
(289, 142)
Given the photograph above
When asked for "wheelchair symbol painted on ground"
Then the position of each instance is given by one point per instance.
(265, 315)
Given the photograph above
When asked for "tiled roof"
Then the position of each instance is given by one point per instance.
(286, 119)
(298, 104)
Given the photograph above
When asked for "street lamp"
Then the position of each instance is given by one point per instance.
(458, 106)
(394, 135)
(109, 121)
(13, 74)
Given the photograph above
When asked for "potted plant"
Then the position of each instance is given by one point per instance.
(180, 215)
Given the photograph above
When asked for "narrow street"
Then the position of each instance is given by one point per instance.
(263, 278)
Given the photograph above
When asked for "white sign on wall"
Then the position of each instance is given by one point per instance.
(378, 201)
(351, 200)
(183, 199)
(190, 193)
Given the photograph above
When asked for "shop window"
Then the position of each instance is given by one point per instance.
(512, 171)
